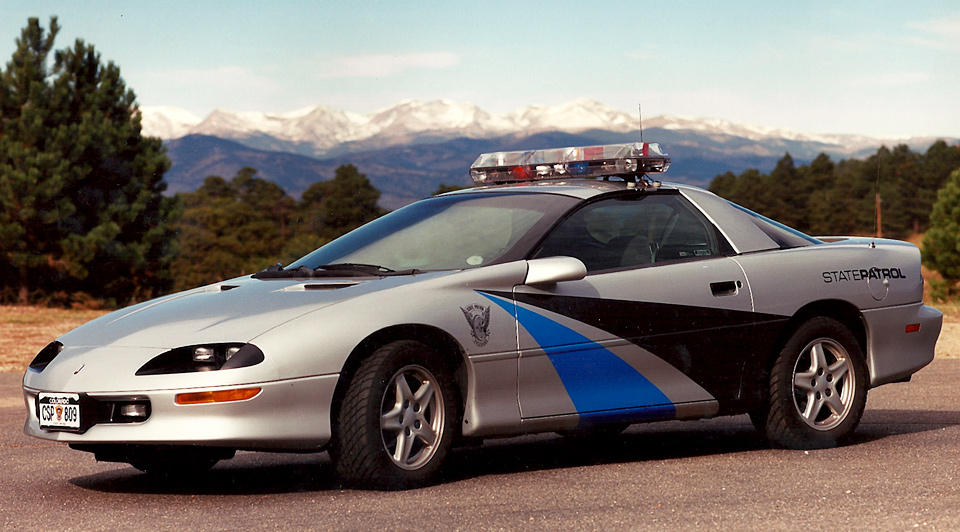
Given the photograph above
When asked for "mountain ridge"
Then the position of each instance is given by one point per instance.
(409, 149)
(405, 173)
(321, 131)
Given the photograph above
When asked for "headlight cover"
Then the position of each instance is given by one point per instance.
(45, 356)
(207, 357)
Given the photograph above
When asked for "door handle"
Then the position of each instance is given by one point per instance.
(725, 288)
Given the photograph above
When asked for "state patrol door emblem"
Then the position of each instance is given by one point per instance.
(478, 316)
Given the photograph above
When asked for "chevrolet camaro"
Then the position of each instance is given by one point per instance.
(566, 292)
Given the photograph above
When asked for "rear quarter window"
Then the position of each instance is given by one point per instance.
(784, 236)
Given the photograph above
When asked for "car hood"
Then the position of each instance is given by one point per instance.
(231, 311)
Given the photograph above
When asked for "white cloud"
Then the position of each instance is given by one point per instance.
(385, 65)
(949, 27)
(940, 33)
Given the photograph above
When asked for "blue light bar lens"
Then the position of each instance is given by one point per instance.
(589, 161)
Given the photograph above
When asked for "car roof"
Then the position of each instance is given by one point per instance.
(576, 188)
(733, 222)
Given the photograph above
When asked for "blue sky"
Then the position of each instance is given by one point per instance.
(873, 68)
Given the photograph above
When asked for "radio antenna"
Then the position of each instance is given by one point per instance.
(640, 112)
(877, 224)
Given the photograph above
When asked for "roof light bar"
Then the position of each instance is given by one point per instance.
(581, 162)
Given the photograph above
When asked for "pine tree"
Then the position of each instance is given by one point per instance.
(822, 198)
(232, 228)
(343, 203)
(30, 179)
(81, 188)
(941, 243)
(241, 226)
(724, 184)
(789, 203)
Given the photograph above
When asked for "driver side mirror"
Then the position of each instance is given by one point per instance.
(551, 270)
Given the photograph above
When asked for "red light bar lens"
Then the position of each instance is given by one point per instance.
(912, 328)
(583, 162)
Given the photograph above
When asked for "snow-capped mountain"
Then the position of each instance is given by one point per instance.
(409, 149)
(579, 115)
(842, 143)
(321, 131)
(167, 122)
(326, 127)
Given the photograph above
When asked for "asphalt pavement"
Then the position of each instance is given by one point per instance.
(900, 473)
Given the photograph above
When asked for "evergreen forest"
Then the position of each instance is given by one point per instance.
(827, 198)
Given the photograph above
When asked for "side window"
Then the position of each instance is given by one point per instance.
(631, 231)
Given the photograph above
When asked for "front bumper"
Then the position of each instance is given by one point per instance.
(291, 415)
(893, 353)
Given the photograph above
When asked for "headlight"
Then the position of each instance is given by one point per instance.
(45, 356)
(212, 357)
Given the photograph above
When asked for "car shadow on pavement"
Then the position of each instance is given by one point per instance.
(247, 474)
(637, 444)
(267, 473)
(877, 424)
(669, 440)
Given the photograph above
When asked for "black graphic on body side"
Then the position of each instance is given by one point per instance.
(724, 351)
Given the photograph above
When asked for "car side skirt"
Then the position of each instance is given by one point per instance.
(676, 411)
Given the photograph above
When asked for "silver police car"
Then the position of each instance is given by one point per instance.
(567, 292)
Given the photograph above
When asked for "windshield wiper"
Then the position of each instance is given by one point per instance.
(344, 269)
(372, 269)
(356, 266)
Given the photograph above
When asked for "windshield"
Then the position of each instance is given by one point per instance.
(447, 232)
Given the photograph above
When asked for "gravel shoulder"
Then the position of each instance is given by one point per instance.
(948, 345)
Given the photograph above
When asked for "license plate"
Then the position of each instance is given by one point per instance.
(59, 411)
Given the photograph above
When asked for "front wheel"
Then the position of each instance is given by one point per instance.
(818, 388)
(398, 419)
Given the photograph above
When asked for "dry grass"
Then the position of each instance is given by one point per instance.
(948, 345)
(24, 331)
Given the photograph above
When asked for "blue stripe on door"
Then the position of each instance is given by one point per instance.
(595, 378)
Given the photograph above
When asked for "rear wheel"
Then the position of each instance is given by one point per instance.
(398, 419)
(818, 388)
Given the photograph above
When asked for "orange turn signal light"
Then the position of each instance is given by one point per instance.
(912, 328)
(219, 396)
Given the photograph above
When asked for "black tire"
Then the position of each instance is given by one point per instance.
(398, 419)
(818, 388)
(179, 463)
